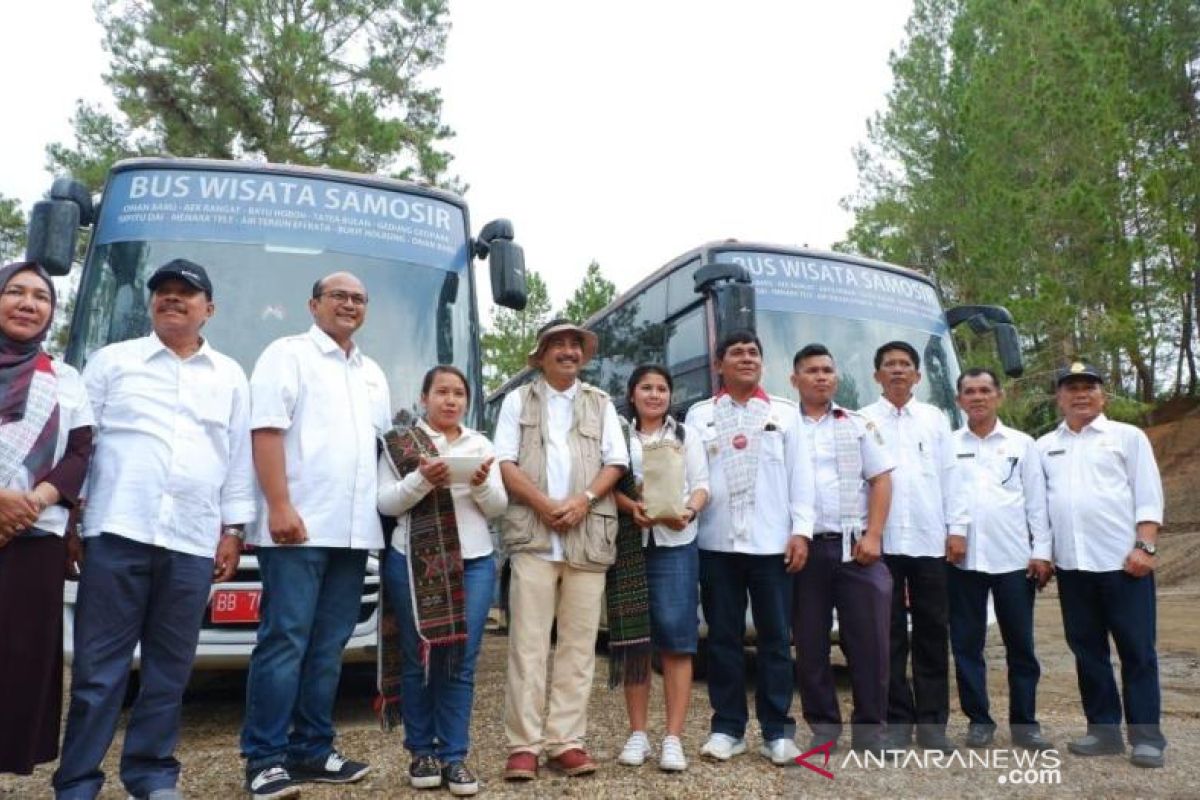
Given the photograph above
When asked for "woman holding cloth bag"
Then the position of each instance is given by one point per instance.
(653, 588)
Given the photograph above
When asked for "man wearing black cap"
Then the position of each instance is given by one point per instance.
(170, 487)
(1106, 504)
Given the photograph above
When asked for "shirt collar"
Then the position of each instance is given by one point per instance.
(568, 393)
(1000, 430)
(327, 345)
(759, 393)
(898, 410)
(154, 346)
(439, 436)
(1100, 424)
(830, 413)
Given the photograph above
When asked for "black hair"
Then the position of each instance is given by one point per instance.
(446, 369)
(740, 336)
(636, 377)
(976, 372)
(811, 351)
(897, 345)
(317, 288)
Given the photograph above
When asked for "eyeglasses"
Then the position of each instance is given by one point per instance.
(340, 297)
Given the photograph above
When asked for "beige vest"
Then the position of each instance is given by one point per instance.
(591, 545)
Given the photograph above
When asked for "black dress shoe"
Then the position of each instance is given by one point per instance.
(1092, 745)
(820, 740)
(980, 735)
(897, 737)
(936, 740)
(1033, 741)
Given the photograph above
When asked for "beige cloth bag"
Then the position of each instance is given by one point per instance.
(662, 479)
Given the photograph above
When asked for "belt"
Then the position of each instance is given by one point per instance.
(827, 537)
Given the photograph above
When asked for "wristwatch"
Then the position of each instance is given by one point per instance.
(1149, 548)
(592, 498)
(229, 530)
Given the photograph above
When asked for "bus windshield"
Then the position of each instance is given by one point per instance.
(850, 308)
(263, 255)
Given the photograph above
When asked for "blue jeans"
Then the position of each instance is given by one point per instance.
(725, 581)
(437, 712)
(131, 592)
(1012, 593)
(1096, 605)
(310, 605)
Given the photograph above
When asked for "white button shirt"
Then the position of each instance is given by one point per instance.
(1002, 476)
(561, 410)
(1100, 483)
(332, 408)
(473, 505)
(74, 411)
(783, 491)
(172, 458)
(822, 444)
(695, 476)
(927, 501)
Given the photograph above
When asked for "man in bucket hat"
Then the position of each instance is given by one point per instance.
(1106, 504)
(560, 450)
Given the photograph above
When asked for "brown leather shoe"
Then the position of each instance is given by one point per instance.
(521, 766)
(573, 762)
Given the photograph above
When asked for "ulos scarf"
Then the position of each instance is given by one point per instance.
(850, 478)
(739, 434)
(627, 596)
(435, 575)
(29, 414)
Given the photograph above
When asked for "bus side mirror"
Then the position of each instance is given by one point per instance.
(1008, 345)
(53, 228)
(733, 308)
(506, 261)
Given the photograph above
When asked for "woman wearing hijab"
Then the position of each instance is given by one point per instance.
(45, 442)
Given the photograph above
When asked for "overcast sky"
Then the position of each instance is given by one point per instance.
(624, 131)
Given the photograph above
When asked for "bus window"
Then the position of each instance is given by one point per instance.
(687, 359)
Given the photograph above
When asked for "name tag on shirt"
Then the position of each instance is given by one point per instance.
(1056, 452)
(966, 455)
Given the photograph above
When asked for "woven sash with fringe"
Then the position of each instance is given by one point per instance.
(628, 596)
(435, 579)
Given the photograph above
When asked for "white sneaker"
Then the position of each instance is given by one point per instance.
(722, 747)
(782, 752)
(636, 748)
(672, 759)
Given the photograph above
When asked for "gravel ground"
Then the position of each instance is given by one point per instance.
(212, 716)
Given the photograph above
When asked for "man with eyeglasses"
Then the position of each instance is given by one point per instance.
(317, 406)
(1007, 555)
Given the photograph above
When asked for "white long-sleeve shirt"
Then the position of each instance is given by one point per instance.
(927, 501)
(1100, 483)
(332, 407)
(172, 458)
(473, 505)
(1006, 490)
(784, 490)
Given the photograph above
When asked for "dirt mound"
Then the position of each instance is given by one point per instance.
(1177, 448)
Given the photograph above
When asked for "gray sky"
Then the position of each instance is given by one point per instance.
(625, 131)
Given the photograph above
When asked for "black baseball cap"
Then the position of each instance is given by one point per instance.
(187, 271)
(1078, 369)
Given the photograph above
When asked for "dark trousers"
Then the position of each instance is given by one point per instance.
(926, 700)
(862, 597)
(725, 581)
(1012, 595)
(1096, 605)
(131, 592)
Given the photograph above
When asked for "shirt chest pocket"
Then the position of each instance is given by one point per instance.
(772, 445)
(212, 403)
(926, 463)
(1109, 465)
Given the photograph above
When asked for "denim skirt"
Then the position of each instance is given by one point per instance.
(673, 579)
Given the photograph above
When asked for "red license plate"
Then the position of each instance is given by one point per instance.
(235, 605)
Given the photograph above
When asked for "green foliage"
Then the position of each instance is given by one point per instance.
(1045, 156)
(593, 293)
(12, 230)
(512, 334)
(335, 83)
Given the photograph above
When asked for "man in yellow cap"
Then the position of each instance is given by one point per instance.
(560, 449)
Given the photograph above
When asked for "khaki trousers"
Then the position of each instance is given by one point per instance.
(540, 591)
